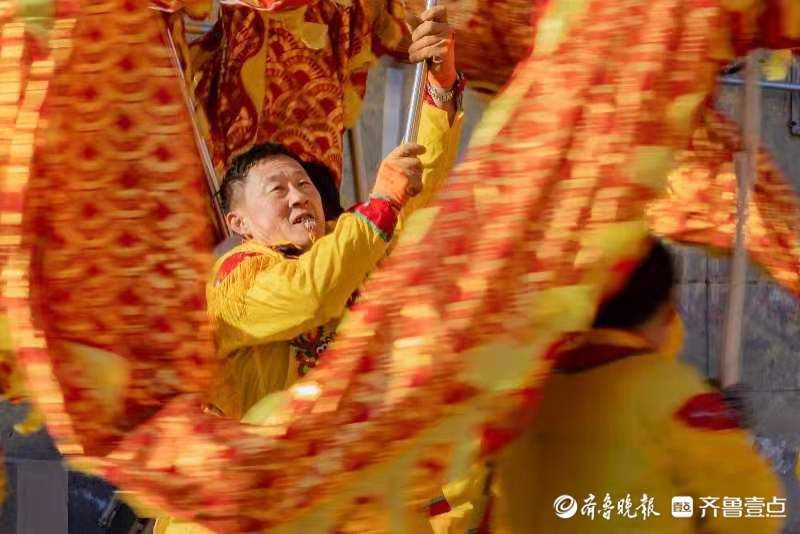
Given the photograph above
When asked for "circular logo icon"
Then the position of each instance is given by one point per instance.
(565, 506)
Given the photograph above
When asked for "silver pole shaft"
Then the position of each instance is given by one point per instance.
(780, 86)
(417, 92)
(746, 169)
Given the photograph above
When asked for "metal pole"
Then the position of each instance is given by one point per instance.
(746, 168)
(200, 142)
(417, 92)
(357, 163)
(794, 103)
(780, 86)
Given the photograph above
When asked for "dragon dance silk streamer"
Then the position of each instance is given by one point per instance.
(26, 67)
(700, 207)
(292, 72)
(492, 36)
(123, 286)
(545, 216)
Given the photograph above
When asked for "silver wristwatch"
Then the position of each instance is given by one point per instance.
(441, 97)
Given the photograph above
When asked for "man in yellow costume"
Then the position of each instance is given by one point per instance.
(623, 427)
(277, 298)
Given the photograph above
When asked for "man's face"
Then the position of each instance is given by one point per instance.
(278, 204)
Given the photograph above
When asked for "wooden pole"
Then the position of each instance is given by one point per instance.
(746, 165)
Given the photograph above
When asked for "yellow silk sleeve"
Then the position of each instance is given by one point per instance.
(440, 140)
(273, 298)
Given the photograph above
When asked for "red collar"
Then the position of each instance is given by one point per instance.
(600, 347)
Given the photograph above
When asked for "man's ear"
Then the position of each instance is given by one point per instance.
(238, 223)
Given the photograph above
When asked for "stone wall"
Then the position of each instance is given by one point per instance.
(771, 349)
(771, 344)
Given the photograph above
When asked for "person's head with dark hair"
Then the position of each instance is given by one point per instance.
(646, 302)
(269, 195)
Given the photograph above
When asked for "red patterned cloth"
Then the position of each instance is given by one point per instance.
(290, 76)
(124, 299)
(492, 37)
(700, 207)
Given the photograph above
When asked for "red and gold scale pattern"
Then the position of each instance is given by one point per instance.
(116, 226)
(290, 72)
(492, 36)
(700, 207)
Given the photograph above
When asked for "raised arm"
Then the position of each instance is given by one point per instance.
(433, 40)
(270, 296)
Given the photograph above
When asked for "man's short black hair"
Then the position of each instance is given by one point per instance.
(650, 286)
(323, 180)
(320, 175)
